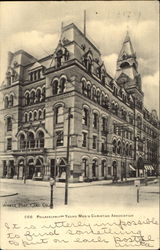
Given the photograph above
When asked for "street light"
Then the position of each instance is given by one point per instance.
(52, 183)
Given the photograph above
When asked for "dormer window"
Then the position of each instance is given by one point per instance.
(35, 75)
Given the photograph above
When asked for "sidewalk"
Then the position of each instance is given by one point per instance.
(77, 185)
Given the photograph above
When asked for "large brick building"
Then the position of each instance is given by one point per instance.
(111, 132)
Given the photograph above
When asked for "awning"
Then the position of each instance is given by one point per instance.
(148, 167)
(131, 167)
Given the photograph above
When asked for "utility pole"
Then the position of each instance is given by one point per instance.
(67, 166)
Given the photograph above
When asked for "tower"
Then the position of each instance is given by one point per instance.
(127, 74)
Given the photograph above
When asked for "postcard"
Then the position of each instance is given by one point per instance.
(79, 125)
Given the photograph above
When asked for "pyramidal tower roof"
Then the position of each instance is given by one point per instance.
(127, 48)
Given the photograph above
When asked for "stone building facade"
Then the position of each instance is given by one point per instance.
(111, 132)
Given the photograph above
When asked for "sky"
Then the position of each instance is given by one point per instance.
(35, 27)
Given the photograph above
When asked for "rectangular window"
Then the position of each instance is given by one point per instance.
(9, 143)
(9, 124)
(84, 139)
(94, 142)
(59, 138)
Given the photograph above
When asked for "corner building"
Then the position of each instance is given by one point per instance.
(111, 133)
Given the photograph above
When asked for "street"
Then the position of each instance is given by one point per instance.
(28, 196)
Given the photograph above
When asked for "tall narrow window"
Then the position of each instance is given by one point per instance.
(59, 114)
(62, 85)
(32, 97)
(114, 143)
(94, 142)
(9, 124)
(27, 99)
(43, 94)
(6, 102)
(22, 141)
(84, 139)
(41, 139)
(104, 124)
(85, 117)
(59, 138)
(11, 100)
(95, 120)
(38, 95)
(84, 167)
(9, 143)
(55, 87)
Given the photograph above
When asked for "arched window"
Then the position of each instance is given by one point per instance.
(40, 139)
(40, 114)
(89, 90)
(55, 87)
(59, 114)
(114, 143)
(43, 94)
(6, 102)
(11, 100)
(27, 99)
(85, 167)
(30, 116)
(95, 120)
(94, 166)
(32, 97)
(62, 85)
(35, 115)
(89, 65)
(119, 148)
(30, 140)
(94, 94)
(38, 95)
(9, 124)
(22, 142)
(98, 96)
(85, 116)
(103, 168)
(84, 87)
(26, 117)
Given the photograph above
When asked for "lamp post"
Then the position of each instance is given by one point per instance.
(52, 183)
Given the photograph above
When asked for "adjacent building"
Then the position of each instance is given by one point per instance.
(111, 133)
